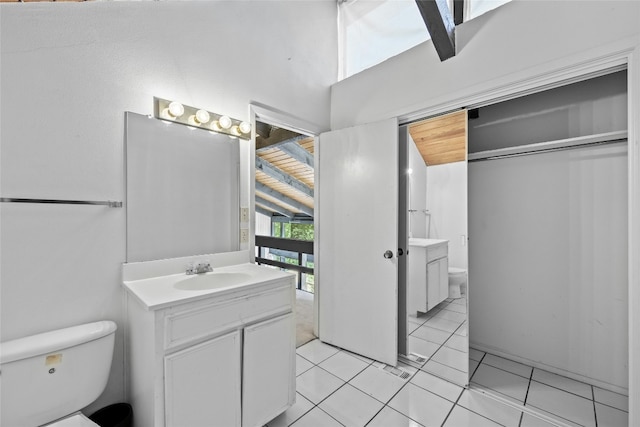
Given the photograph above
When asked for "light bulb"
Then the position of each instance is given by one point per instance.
(202, 116)
(225, 122)
(245, 127)
(235, 130)
(215, 126)
(176, 109)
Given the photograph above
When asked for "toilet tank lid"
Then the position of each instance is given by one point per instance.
(56, 340)
(455, 270)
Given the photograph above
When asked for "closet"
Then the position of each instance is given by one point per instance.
(548, 230)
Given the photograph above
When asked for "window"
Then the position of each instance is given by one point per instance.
(372, 31)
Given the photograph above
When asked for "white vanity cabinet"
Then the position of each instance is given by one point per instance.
(224, 359)
(428, 279)
(202, 383)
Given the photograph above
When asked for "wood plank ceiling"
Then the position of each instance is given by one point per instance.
(284, 173)
(441, 139)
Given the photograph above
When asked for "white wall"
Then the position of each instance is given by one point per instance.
(447, 202)
(69, 72)
(263, 225)
(417, 192)
(504, 45)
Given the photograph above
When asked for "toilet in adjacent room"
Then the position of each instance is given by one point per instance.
(457, 281)
(48, 378)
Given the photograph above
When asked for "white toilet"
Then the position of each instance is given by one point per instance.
(47, 378)
(457, 281)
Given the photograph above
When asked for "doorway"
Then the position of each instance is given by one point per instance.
(284, 213)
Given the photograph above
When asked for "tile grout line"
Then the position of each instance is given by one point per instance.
(385, 404)
(595, 412)
(540, 382)
(317, 405)
(452, 408)
(530, 410)
(526, 395)
(362, 391)
(439, 348)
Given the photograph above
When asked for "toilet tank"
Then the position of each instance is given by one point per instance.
(50, 375)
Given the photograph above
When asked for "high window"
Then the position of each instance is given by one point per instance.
(372, 31)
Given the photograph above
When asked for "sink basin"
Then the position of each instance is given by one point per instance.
(213, 280)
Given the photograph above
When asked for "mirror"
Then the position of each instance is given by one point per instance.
(182, 190)
(437, 261)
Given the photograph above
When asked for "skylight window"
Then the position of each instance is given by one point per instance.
(372, 31)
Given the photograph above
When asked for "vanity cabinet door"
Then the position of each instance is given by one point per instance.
(433, 287)
(443, 280)
(437, 282)
(202, 384)
(417, 280)
(269, 370)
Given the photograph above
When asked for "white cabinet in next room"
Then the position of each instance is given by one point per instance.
(428, 281)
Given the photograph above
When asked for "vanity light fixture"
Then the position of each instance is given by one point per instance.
(245, 127)
(202, 117)
(225, 122)
(176, 109)
(175, 112)
(172, 111)
(235, 130)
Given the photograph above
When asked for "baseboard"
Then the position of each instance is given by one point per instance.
(574, 376)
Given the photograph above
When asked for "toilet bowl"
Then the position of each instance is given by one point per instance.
(48, 378)
(457, 281)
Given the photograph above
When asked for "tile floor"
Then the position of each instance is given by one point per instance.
(339, 388)
(554, 397)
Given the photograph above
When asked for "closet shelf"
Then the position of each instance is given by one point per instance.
(560, 144)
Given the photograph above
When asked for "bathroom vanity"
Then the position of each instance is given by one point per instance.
(428, 278)
(209, 349)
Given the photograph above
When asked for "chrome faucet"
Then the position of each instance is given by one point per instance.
(203, 267)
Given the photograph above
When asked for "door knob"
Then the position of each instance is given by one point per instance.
(388, 254)
(400, 252)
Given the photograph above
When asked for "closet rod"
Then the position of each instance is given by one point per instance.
(109, 203)
(547, 147)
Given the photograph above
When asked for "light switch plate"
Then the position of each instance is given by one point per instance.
(244, 235)
(244, 214)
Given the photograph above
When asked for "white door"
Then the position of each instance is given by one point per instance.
(357, 235)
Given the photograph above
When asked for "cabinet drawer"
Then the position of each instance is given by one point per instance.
(435, 252)
(211, 320)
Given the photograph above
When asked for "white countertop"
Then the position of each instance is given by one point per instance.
(160, 292)
(423, 243)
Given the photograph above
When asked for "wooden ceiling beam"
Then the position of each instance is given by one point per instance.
(272, 206)
(439, 22)
(277, 174)
(283, 198)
